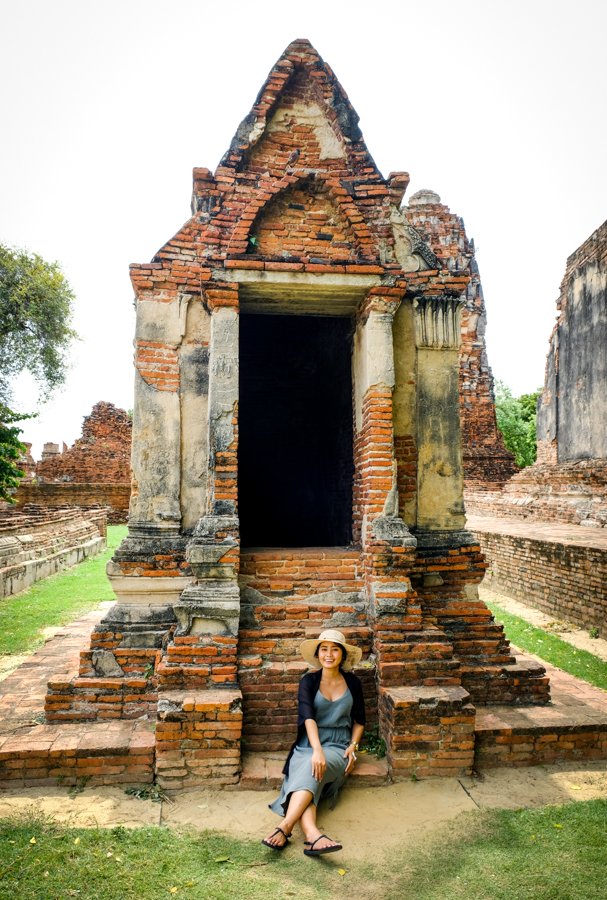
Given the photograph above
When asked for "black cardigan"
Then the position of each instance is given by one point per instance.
(308, 687)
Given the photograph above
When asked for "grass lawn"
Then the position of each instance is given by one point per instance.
(552, 648)
(554, 853)
(56, 600)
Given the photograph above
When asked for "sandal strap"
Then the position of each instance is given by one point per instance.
(319, 838)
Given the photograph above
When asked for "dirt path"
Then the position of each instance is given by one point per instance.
(370, 821)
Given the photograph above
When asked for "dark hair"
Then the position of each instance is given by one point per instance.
(344, 652)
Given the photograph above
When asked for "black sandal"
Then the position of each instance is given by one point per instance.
(312, 852)
(277, 846)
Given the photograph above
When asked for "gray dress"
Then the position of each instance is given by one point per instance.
(334, 730)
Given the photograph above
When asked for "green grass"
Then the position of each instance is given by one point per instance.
(551, 648)
(56, 600)
(554, 853)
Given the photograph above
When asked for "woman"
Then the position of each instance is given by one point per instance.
(330, 725)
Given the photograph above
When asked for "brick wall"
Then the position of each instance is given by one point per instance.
(574, 492)
(36, 542)
(564, 580)
(114, 498)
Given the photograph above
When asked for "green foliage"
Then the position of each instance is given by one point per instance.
(373, 743)
(35, 320)
(551, 648)
(516, 420)
(11, 450)
(56, 600)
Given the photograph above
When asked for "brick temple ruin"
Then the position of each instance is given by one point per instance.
(297, 457)
(94, 472)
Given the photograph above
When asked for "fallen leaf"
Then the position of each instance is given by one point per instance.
(576, 787)
(341, 872)
(220, 859)
(76, 841)
(556, 825)
(45, 874)
(173, 890)
(109, 853)
(33, 841)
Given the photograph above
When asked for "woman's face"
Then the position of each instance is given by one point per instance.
(330, 655)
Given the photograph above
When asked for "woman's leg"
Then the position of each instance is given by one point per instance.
(298, 803)
(311, 829)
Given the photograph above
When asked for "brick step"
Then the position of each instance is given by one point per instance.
(263, 771)
(403, 634)
(421, 671)
(76, 699)
(77, 754)
(405, 652)
(541, 735)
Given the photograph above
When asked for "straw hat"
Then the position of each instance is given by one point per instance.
(308, 649)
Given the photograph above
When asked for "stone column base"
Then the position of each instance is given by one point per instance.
(198, 738)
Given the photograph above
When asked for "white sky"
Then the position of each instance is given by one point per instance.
(500, 107)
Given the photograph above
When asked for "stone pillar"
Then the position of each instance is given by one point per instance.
(440, 481)
(387, 543)
(204, 646)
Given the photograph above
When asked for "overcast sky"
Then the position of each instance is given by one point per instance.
(500, 107)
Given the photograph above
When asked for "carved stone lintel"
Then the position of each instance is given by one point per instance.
(210, 607)
(437, 322)
(393, 530)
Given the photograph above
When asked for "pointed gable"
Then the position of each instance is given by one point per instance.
(300, 87)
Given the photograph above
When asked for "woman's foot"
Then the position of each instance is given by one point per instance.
(278, 840)
(319, 844)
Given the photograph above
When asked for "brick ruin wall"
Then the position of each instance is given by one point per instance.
(94, 472)
(568, 483)
(112, 498)
(36, 542)
(562, 579)
(572, 410)
(487, 462)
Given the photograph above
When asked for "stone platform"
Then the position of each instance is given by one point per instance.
(572, 727)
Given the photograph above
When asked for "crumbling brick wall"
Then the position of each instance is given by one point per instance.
(487, 462)
(572, 410)
(101, 455)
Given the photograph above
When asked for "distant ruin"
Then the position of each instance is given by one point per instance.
(564, 573)
(94, 471)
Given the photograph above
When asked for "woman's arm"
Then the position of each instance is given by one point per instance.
(350, 751)
(319, 763)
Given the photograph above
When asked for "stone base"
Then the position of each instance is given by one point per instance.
(428, 730)
(198, 738)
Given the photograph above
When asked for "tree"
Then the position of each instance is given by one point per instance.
(35, 333)
(11, 451)
(35, 320)
(516, 419)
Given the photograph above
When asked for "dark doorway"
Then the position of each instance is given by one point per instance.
(295, 458)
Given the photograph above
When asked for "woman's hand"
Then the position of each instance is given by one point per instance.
(319, 763)
(350, 755)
